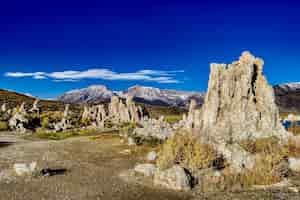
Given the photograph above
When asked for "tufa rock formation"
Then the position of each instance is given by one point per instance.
(65, 123)
(240, 104)
(3, 108)
(120, 112)
(18, 120)
(95, 114)
(154, 128)
(35, 109)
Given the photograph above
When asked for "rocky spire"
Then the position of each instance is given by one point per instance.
(240, 103)
(35, 108)
(3, 108)
(121, 112)
(18, 120)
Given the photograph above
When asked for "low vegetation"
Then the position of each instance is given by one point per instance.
(64, 134)
(3, 126)
(186, 151)
(173, 118)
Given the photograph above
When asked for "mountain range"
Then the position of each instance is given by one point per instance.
(287, 96)
(141, 94)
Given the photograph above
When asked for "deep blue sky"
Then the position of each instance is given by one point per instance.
(128, 36)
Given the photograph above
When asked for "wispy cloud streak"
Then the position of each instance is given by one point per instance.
(158, 76)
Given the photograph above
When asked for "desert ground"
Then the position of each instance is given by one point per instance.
(98, 167)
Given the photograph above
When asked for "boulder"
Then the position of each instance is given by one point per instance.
(25, 169)
(131, 141)
(3, 108)
(151, 156)
(294, 164)
(154, 128)
(238, 158)
(145, 169)
(174, 178)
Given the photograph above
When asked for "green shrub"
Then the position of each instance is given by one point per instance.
(108, 124)
(64, 134)
(45, 123)
(146, 141)
(86, 122)
(173, 118)
(3, 126)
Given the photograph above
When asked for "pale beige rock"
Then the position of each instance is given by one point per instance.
(174, 178)
(64, 124)
(121, 112)
(35, 108)
(145, 169)
(294, 164)
(240, 103)
(18, 120)
(3, 107)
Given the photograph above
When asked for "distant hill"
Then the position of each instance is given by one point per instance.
(288, 97)
(14, 99)
(158, 101)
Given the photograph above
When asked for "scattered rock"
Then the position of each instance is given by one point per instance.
(25, 169)
(131, 141)
(174, 178)
(151, 156)
(125, 151)
(3, 107)
(145, 169)
(154, 128)
(294, 164)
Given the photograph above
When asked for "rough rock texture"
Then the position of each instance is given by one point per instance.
(152, 156)
(95, 114)
(35, 108)
(154, 128)
(145, 169)
(294, 164)
(240, 104)
(121, 112)
(3, 108)
(18, 119)
(64, 124)
(174, 178)
(238, 158)
(23, 168)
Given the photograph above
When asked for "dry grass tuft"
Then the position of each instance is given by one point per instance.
(263, 145)
(187, 151)
(3, 126)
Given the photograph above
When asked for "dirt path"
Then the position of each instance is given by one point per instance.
(93, 170)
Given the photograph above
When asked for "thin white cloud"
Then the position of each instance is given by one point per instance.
(158, 76)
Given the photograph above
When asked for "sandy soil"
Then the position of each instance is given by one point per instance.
(93, 172)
